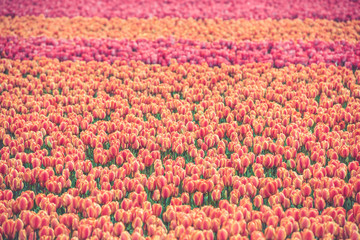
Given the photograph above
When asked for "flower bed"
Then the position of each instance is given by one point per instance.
(161, 51)
(207, 30)
(255, 9)
(179, 119)
(93, 149)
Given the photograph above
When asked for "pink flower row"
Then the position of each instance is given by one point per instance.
(255, 9)
(161, 51)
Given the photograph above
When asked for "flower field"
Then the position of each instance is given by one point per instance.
(206, 120)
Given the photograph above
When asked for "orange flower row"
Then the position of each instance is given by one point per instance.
(204, 30)
(257, 119)
(179, 151)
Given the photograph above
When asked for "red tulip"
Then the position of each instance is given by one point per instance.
(319, 203)
(137, 222)
(304, 223)
(258, 201)
(47, 232)
(179, 231)
(84, 231)
(93, 211)
(270, 232)
(166, 192)
(157, 208)
(257, 235)
(268, 161)
(156, 195)
(319, 230)
(198, 198)
(305, 190)
(280, 233)
(35, 221)
(187, 221)
(23, 203)
(208, 235)
(339, 200)
(22, 235)
(272, 221)
(296, 198)
(185, 198)
(344, 151)
(257, 149)
(9, 228)
(118, 228)
(222, 234)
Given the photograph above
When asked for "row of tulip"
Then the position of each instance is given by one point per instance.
(255, 9)
(161, 52)
(180, 151)
(202, 30)
(67, 215)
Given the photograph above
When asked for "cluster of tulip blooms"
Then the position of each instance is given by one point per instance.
(190, 29)
(162, 51)
(130, 150)
(255, 9)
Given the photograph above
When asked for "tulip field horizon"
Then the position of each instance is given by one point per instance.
(183, 119)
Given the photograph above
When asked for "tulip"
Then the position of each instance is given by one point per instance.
(257, 235)
(258, 201)
(187, 115)
(339, 200)
(216, 195)
(344, 151)
(319, 203)
(118, 228)
(305, 190)
(198, 198)
(222, 234)
(296, 199)
(35, 222)
(137, 222)
(268, 162)
(186, 222)
(179, 231)
(9, 228)
(280, 233)
(272, 221)
(22, 235)
(125, 235)
(185, 198)
(157, 209)
(47, 232)
(308, 202)
(269, 232)
(304, 223)
(257, 149)
(156, 195)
